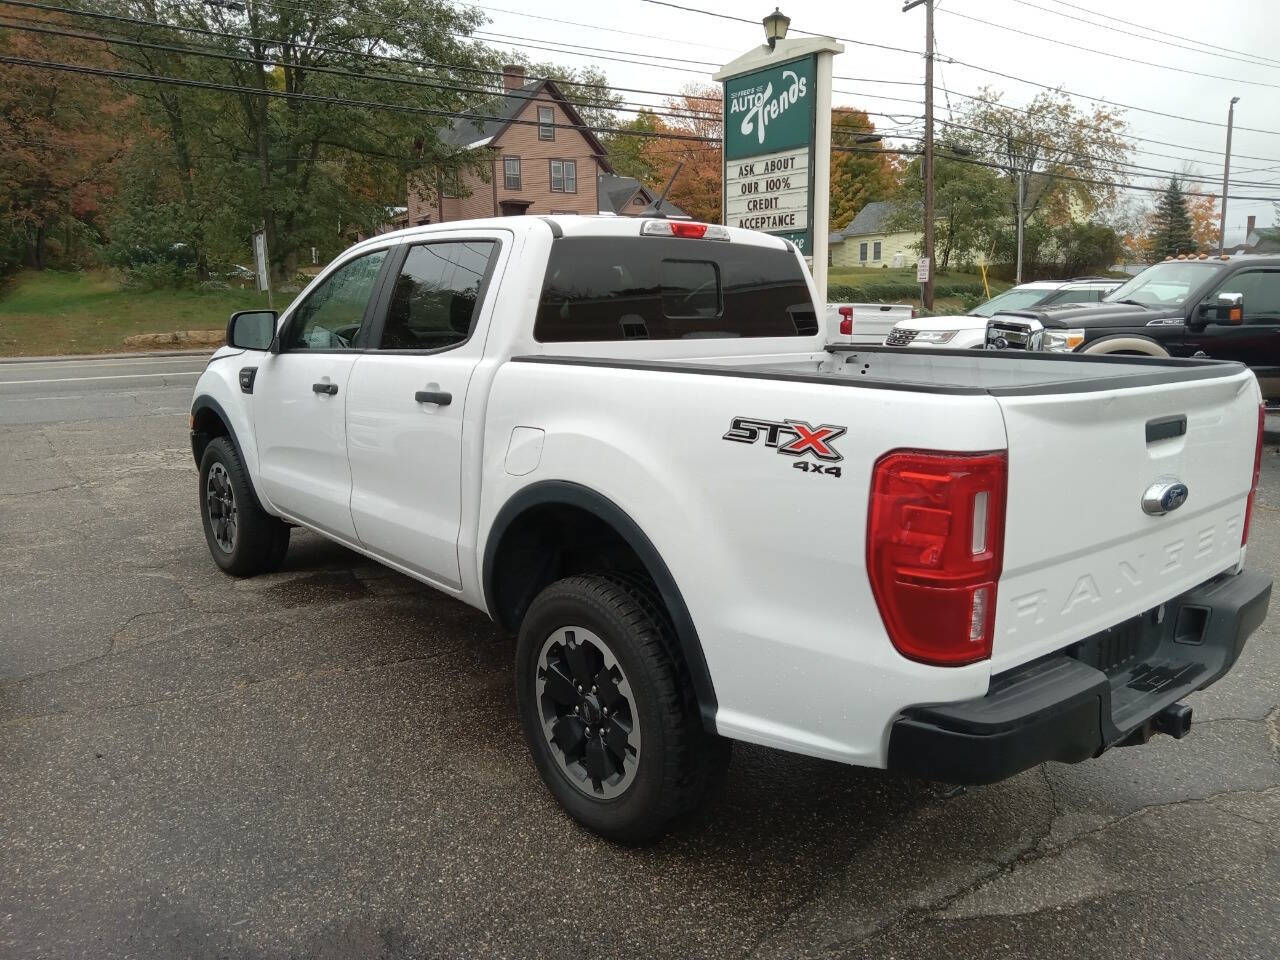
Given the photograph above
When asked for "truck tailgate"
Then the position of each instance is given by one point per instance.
(1081, 554)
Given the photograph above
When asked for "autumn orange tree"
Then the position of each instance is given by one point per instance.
(1203, 210)
(59, 141)
(695, 113)
(861, 172)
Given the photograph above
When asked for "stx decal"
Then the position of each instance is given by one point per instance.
(794, 438)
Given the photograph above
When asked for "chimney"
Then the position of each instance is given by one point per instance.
(1249, 229)
(512, 77)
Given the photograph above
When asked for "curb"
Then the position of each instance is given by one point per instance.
(201, 352)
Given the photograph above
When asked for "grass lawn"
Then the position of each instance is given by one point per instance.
(941, 305)
(50, 312)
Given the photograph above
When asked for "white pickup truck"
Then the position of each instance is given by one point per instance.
(627, 441)
(865, 324)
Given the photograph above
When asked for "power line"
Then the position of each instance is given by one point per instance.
(1163, 33)
(1112, 103)
(368, 104)
(339, 101)
(1258, 62)
(623, 106)
(1052, 176)
(690, 111)
(320, 48)
(1104, 53)
(997, 73)
(756, 23)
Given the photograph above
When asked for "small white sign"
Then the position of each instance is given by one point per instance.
(922, 270)
(260, 259)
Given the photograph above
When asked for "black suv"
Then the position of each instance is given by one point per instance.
(1227, 308)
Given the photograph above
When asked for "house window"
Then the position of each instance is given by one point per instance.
(862, 252)
(875, 254)
(564, 176)
(451, 184)
(546, 123)
(511, 173)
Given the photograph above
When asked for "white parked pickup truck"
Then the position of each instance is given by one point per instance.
(627, 442)
(865, 324)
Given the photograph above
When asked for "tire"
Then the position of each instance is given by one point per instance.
(664, 764)
(253, 541)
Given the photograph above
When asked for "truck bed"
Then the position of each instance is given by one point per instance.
(942, 371)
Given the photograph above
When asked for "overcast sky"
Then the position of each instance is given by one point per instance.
(1249, 27)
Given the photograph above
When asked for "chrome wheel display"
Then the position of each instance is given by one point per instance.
(220, 502)
(588, 712)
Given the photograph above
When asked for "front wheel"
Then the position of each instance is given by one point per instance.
(243, 539)
(608, 710)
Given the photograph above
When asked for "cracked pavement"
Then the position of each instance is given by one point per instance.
(325, 762)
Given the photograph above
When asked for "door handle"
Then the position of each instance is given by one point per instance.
(434, 396)
(329, 388)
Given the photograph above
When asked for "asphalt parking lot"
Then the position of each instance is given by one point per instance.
(325, 762)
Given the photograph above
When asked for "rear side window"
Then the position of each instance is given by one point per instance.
(434, 300)
(667, 288)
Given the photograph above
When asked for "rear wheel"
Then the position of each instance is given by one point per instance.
(607, 708)
(243, 539)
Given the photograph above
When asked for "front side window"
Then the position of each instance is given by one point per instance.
(437, 295)
(511, 173)
(655, 288)
(1261, 292)
(546, 123)
(330, 316)
(1072, 296)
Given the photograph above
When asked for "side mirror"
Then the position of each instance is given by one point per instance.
(251, 329)
(1226, 308)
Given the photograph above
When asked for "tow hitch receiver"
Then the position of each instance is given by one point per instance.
(1175, 720)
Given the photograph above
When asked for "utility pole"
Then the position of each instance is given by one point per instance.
(926, 160)
(1021, 189)
(1226, 177)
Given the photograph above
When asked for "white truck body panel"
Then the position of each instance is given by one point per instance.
(770, 561)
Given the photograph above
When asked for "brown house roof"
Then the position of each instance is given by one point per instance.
(505, 109)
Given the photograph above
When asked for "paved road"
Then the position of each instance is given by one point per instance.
(324, 762)
(52, 391)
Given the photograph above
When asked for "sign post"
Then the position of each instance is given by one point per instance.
(262, 267)
(777, 144)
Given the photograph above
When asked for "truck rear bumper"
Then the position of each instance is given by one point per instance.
(1107, 690)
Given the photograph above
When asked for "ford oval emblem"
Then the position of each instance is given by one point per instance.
(1164, 496)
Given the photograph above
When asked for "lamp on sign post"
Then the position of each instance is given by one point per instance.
(775, 27)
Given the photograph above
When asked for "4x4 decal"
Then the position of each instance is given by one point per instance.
(794, 438)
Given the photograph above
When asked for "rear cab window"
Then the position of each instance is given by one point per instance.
(669, 288)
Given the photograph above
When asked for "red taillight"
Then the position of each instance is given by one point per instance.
(846, 321)
(935, 545)
(1257, 472)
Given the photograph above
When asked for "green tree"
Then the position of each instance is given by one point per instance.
(1171, 229)
(301, 169)
(630, 153)
(1066, 158)
(1087, 248)
(969, 206)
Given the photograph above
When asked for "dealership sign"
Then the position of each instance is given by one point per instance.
(768, 150)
